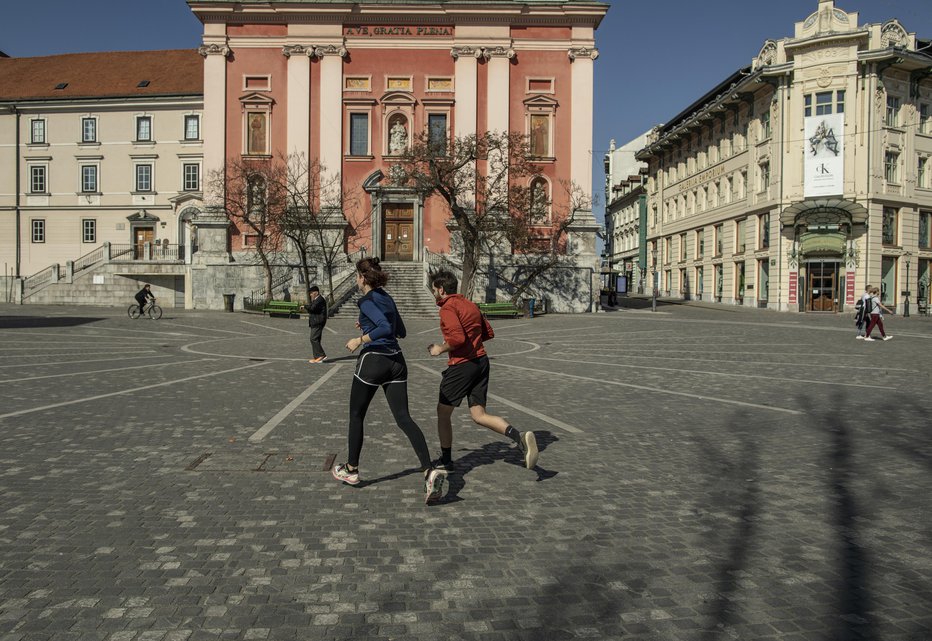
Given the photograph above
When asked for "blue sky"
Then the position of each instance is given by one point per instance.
(649, 68)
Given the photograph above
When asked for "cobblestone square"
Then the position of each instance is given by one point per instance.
(705, 474)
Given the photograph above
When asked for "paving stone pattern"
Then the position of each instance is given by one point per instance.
(705, 475)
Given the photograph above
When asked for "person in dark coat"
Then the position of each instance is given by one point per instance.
(316, 320)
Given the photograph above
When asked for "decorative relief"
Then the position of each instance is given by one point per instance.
(892, 35)
(331, 50)
(214, 50)
(825, 78)
(768, 54)
(498, 52)
(297, 50)
(582, 52)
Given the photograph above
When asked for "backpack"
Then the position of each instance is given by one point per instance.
(868, 305)
(859, 311)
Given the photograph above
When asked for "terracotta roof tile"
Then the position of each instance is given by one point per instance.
(102, 75)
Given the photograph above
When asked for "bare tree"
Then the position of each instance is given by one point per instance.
(540, 236)
(483, 180)
(253, 198)
(314, 220)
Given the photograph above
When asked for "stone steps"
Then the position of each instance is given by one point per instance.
(406, 286)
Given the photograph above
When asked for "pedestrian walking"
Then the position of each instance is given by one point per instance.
(316, 320)
(464, 331)
(381, 364)
(874, 307)
(861, 317)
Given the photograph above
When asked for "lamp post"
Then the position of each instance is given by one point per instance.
(906, 293)
(653, 300)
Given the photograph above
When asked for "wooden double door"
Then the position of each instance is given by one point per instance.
(141, 236)
(824, 287)
(398, 232)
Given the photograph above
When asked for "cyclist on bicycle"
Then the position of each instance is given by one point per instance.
(143, 296)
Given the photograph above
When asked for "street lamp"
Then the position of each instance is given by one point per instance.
(906, 293)
(653, 301)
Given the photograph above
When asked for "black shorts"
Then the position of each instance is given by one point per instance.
(381, 368)
(469, 379)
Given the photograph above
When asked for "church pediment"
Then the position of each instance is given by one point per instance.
(255, 98)
(142, 217)
(541, 102)
(398, 98)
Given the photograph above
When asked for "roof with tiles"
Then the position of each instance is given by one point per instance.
(114, 74)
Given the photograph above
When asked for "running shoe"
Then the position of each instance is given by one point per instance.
(319, 359)
(448, 467)
(529, 448)
(433, 485)
(342, 473)
(869, 338)
(886, 338)
(860, 338)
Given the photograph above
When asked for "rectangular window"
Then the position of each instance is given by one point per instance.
(38, 230)
(922, 174)
(437, 132)
(359, 135)
(700, 243)
(743, 185)
(765, 124)
(667, 250)
(37, 132)
(192, 177)
(925, 229)
(892, 118)
(891, 167)
(889, 230)
(925, 118)
(88, 130)
(192, 127)
(89, 230)
(89, 179)
(763, 232)
(37, 179)
(144, 129)
(719, 241)
(739, 236)
(684, 249)
(807, 110)
(765, 176)
(143, 177)
(840, 101)
(823, 101)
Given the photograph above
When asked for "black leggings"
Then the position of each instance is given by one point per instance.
(397, 396)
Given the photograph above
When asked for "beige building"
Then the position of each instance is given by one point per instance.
(100, 148)
(803, 177)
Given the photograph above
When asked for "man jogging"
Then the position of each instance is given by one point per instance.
(316, 320)
(464, 329)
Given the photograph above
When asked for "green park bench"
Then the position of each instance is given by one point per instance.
(500, 309)
(274, 307)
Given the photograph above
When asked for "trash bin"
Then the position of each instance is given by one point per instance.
(228, 302)
(530, 307)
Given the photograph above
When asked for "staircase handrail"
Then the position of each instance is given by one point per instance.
(438, 261)
(90, 259)
(41, 277)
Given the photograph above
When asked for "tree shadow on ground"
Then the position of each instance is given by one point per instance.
(34, 322)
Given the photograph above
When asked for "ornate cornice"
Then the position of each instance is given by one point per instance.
(331, 50)
(498, 52)
(214, 50)
(582, 52)
(298, 50)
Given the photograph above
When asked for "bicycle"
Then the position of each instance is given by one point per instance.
(152, 310)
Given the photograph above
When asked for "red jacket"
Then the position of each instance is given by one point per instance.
(464, 328)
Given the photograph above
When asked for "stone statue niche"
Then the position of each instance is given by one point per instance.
(397, 135)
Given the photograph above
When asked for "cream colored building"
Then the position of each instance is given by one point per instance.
(99, 148)
(803, 177)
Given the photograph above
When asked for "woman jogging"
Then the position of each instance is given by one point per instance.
(381, 364)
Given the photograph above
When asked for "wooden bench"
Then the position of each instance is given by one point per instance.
(274, 307)
(500, 309)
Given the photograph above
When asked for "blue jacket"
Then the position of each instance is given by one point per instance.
(379, 318)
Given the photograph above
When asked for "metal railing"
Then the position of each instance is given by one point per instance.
(437, 262)
(157, 252)
(48, 275)
(90, 259)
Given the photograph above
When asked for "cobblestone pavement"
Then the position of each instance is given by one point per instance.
(705, 474)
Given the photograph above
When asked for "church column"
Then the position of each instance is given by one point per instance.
(331, 106)
(215, 52)
(299, 99)
(498, 85)
(582, 79)
(466, 87)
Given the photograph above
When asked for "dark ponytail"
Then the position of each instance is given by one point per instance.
(371, 272)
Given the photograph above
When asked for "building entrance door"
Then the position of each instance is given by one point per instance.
(141, 236)
(398, 232)
(822, 278)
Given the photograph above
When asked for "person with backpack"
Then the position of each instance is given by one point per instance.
(860, 316)
(873, 307)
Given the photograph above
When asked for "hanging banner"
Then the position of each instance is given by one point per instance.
(849, 288)
(792, 287)
(825, 155)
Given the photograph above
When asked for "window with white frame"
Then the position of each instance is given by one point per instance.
(192, 127)
(257, 133)
(891, 164)
(144, 177)
(88, 129)
(743, 184)
(192, 177)
(824, 103)
(38, 230)
(437, 131)
(700, 243)
(925, 118)
(143, 128)
(684, 248)
(539, 134)
(89, 179)
(763, 231)
(37, 131)
(764, 176)
(89, 230)
(765, 124)
(740, 235)
(38, 179)
(922, 172)
(359, 134)
(892, 117)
